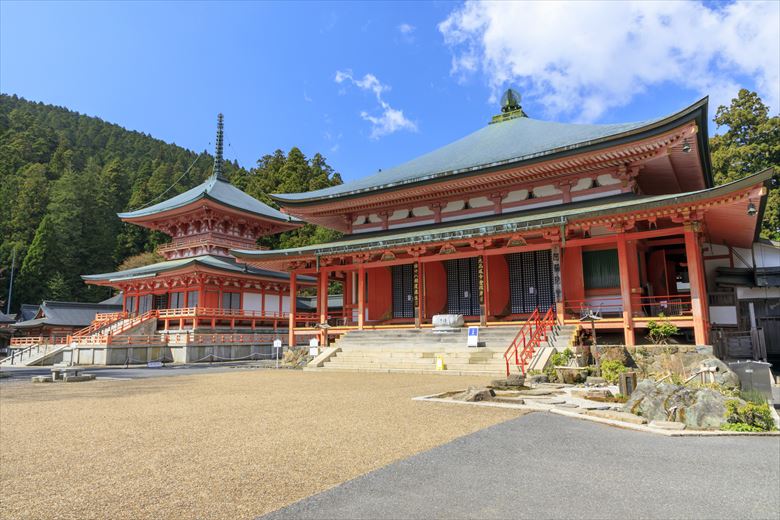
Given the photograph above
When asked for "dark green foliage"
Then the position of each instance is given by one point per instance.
(748, 417)
(558, 359)
(750, 144)
(278, 173)
(611, 370)
(64, 176)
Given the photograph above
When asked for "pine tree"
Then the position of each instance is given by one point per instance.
(750, 144)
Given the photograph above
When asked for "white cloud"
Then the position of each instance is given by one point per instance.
(391, 120)
(407, 32)
(583, 58)
(406, 28)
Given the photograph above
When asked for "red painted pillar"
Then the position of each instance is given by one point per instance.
(625, 289)
(698, 288)
(485, 292)
(322, 296)
(291, 326)
(361, 296)
(347, 302)
(420, 293)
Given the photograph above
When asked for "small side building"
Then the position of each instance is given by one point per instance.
(55, 319)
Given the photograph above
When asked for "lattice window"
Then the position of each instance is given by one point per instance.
(462, 286)
(403, 291)
(530, 281)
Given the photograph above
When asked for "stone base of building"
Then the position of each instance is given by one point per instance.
(130, 355)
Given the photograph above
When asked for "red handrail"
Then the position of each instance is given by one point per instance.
(533, 332)
(522, 335)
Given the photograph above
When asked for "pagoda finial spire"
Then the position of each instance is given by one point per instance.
(218, 160)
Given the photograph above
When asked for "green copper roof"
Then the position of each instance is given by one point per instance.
(221, 263)
(541, 218)
(217, 189)
(504, 142)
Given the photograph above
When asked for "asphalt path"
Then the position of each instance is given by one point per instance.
(546, 466)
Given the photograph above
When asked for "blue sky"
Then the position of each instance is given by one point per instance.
(370, 85)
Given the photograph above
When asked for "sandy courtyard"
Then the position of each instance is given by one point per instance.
(224, 445)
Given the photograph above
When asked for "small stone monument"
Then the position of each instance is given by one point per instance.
(444, 323)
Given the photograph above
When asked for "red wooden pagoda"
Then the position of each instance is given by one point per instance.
(201, 286)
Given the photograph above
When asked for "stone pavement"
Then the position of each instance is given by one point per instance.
(545, 466)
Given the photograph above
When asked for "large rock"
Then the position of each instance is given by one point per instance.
(698, 408)
(617, 416)
(474, 394)
(588, 393)
(513, 382)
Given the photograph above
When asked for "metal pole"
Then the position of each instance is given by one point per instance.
(11, 283)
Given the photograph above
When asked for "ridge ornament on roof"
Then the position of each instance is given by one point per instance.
(218, 148)
(510, 107)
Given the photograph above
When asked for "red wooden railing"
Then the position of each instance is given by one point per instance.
(642, 306)
(531, 335)
(102, 319)
(38, 340)
(521, 340)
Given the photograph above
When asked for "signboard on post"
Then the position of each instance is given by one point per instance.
(314, 347)
(473, 337)
(278, 349)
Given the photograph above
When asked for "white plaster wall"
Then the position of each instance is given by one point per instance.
(767, 255)
(455, 205)
(607, 180)
(410, 224)
(422, 211)
(546, 191)
(399, 214)
(467, 215)
(554, 202)
(596, 195)
(723, 315)
(582, 184)
(757, 293)
(516, 196)
(271, 303)
(253, 301)
(480, 202)
(285, 304)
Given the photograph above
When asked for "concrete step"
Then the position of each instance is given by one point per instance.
(486, 373)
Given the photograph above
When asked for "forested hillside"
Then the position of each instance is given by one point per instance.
(64, 176)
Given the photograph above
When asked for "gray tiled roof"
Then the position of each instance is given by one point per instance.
(4, 318)
(73, 314)
(116, 299)
(216, 262)
(216, 189)
(513, 140)
(27, 311)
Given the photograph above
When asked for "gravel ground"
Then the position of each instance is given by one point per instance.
(224, 445)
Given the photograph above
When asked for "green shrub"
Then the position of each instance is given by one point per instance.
(740, 417)
(752, 396)
(558, 359)
(611, 370)
(659, 332)
(739, 427)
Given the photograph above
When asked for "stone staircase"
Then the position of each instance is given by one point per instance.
(416, 350)
(34, 355)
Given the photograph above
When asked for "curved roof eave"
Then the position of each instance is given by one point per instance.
(204, 191)
(598, 209)
(697, 111)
